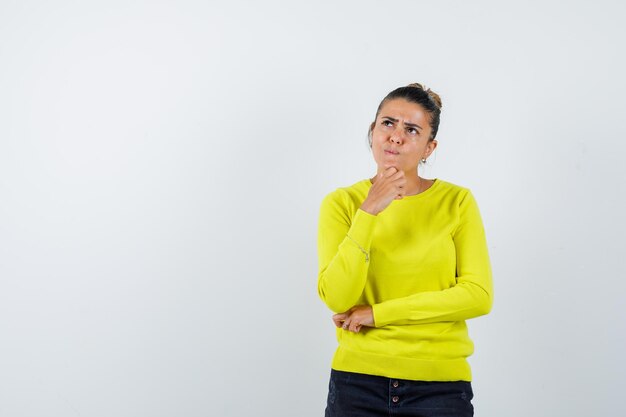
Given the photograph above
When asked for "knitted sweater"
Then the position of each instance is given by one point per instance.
(423, 266)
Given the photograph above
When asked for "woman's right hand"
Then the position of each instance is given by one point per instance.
(388, 186)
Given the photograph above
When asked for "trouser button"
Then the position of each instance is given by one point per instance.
(395, 398)
(395, 384)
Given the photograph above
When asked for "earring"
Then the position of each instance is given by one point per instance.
(423, 160)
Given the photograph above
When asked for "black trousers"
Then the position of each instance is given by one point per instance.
(359, 395)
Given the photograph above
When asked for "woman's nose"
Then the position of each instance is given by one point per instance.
(396, 136)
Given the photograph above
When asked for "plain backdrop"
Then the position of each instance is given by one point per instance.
(162, 164)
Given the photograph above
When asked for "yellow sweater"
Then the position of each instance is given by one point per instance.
(422, 263)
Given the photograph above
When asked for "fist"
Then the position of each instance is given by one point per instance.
(389, 185)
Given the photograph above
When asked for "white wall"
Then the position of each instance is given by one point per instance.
(162, 165)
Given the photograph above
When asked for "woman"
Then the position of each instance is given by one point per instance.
(403, 262)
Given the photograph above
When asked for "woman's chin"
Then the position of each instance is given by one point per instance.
(386, 165)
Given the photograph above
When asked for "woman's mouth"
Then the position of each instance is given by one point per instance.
(391, 153)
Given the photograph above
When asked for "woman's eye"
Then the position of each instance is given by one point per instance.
(413, 131)
(384, 123)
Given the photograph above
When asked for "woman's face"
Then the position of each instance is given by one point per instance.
(400, 136)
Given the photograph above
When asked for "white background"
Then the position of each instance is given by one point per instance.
(161, 170)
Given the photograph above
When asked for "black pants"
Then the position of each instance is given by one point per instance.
(359, 395)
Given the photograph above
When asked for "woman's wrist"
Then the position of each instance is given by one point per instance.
(368, 209)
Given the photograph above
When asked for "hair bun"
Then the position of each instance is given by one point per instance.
(431, 94)
(416, 85)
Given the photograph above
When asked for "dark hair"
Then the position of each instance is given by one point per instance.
(415, 93)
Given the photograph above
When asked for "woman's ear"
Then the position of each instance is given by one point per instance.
(430, 147)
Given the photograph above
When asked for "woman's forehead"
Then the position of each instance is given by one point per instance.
(404, 110)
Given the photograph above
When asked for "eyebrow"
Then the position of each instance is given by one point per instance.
(407, 124)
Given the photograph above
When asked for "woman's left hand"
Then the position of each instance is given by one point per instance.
(355, 318)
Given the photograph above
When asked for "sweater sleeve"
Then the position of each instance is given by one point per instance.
(343, 248)
(471, 296)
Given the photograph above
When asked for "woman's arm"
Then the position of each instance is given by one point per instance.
(343, 250)
(472, 296)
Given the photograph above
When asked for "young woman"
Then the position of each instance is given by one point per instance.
(403, 263)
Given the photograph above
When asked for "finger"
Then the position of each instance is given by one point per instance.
(397, 176)
(390, 171)
(353, 326)
(338, 319)
(399, 181)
